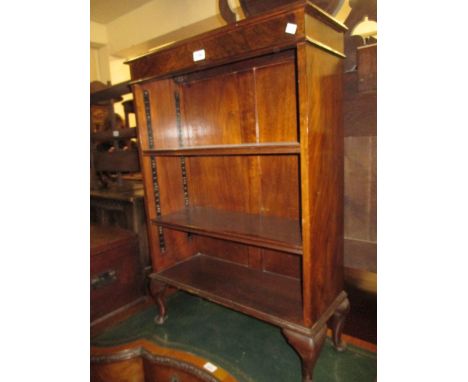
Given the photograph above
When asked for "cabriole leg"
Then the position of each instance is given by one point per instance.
(337, 322)
(308, 348)
(157, 291)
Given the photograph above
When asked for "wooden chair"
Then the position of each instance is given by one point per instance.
(112, 151)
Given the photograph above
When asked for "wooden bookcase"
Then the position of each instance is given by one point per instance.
(242, 159)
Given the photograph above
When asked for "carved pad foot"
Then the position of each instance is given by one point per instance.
(308, 348)
(337, 322)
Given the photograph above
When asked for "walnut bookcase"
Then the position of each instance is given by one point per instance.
(242, 156)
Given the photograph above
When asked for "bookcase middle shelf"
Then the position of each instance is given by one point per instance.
(271, 232)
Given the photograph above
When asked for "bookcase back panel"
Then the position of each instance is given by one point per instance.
(164, 187)
(279, 186)
(177, 247)
(265, 185)
(252, 101)
(216, 119)
(167, 246)
(281, 263)
(275, 90)
(227, 250)
(253, 257)
(160, 125)
(225, 183)
(255, 104)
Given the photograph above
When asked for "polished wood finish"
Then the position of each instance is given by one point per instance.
(103, 323)
(243, 170)
(223, 150)
(276, 298)
(264, 231)
(256, 7)
(142, 360)
(250, 37)
(322, 178)
(238, 116)
(104, 239)
(308, 348)
(115, 270)
(120, 371)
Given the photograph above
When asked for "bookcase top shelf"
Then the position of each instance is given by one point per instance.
(264, 231)
(237, 149)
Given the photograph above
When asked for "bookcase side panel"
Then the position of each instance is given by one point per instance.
(322, 164)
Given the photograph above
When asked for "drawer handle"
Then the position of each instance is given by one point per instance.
(103, 279)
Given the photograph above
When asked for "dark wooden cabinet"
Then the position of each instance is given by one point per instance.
(242, 157)
(116, 277)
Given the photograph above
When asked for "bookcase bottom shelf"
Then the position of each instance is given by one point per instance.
(270, 297)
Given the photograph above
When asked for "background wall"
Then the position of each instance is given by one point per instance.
(149, 26)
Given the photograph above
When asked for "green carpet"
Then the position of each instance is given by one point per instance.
(249, 349)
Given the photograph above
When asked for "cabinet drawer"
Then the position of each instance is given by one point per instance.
(116, 279)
